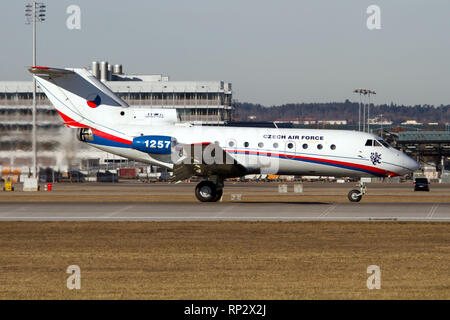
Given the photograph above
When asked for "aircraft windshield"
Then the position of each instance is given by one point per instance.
(376, 143)
(384, 143)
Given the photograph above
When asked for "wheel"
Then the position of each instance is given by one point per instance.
(206, 191)
(354, 195)
(218, 195)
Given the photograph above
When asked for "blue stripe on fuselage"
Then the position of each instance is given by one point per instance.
(107, 142)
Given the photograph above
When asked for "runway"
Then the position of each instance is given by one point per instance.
(227, 211)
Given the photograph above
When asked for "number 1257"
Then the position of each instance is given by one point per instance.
(160, 144)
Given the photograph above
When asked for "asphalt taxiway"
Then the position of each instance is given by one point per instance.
(234, 211)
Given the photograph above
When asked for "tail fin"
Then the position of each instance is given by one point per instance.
(77, 95)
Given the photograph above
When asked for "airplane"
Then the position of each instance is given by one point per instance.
(214, 153)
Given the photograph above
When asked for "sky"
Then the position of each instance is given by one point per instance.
(273, 52)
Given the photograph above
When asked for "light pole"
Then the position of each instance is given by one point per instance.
(359, 109)
(34, 12)
(361, 92)
(369, 92)
(364, 92)
(381, 133)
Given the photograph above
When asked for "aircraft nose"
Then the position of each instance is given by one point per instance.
(410, 163)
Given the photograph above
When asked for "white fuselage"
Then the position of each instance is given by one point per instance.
(282, 151)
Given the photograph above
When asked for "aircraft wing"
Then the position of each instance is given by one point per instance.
(204, 159)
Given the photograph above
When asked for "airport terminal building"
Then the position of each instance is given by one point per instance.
(197, 102)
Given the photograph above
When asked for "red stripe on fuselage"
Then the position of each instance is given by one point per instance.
(70, 122)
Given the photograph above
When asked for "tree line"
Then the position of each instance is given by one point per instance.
(347, 110)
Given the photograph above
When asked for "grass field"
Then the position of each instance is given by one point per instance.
(224, 260)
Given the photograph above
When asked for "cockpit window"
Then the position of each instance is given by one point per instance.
(376, 143)
(384, 143)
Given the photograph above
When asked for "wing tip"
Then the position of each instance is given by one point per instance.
(41, 70)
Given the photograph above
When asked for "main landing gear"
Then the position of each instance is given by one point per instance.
(356, 195)
(209, 190)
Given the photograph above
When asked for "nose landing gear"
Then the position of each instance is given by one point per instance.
(356, 195)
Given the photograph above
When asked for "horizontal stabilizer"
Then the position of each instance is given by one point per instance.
(49, 72)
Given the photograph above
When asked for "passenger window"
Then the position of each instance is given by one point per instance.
(246, 144)
(305, 146)
(369, 143)
(333, 147)
(319, 146)
(275, 145)
(231, 143)
(290, 145)
(260, 144)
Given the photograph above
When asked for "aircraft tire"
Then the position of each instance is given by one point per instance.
(354, 195)
(206, 191)
(219, 194)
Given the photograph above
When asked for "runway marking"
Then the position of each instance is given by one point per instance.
(124, 209)
(328, 210)
(433, 210)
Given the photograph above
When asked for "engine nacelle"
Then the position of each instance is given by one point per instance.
(154, 144)
(85, 134)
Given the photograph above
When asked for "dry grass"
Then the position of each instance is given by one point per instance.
(224, 260)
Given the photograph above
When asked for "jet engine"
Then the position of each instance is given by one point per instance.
(85, 134)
